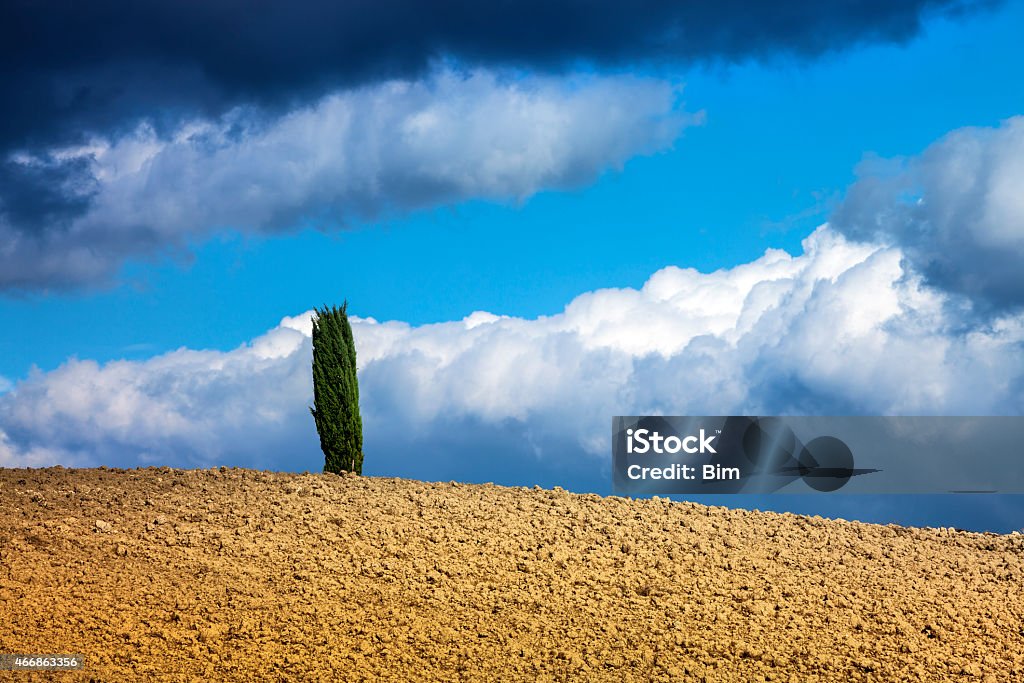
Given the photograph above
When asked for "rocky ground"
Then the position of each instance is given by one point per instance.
(229, 574)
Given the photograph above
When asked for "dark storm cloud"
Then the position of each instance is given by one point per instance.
(44, 191)
(69, 66)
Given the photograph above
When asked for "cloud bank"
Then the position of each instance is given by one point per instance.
(841, 328)
(71, 216)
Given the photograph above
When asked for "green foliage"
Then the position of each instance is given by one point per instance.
(336, 391)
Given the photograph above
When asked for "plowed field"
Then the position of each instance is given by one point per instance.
(229, 574)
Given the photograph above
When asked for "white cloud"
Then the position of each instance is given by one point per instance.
(354, 154)
(841, 328)
(957, 210)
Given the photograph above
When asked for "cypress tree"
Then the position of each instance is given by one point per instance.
(336, 391)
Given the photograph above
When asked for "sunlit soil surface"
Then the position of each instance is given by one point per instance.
(231, 574)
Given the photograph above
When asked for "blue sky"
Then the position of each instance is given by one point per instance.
(763, 148)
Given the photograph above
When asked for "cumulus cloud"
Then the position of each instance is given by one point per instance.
(841, 328)
(72, 215)
(956, 210)
(184, 407)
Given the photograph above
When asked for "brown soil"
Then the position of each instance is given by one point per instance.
(230, 574)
